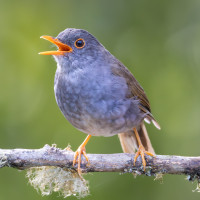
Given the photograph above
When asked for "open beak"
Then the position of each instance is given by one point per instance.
(62, 48)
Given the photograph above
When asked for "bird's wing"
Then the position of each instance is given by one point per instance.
(135, 91)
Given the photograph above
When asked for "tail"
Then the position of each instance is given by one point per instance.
(129, 143)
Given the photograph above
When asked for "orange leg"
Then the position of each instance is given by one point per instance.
(79, 151)
(141, 150)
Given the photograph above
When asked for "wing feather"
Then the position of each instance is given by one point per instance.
(135, 91)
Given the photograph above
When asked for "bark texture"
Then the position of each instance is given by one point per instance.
(121, 162)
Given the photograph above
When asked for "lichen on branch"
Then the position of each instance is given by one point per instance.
(65, 180)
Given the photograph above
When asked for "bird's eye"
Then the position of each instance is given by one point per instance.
(80, 43)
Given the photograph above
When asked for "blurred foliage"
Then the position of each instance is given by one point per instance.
(159, 41)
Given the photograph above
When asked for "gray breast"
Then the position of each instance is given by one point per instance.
(96, 104)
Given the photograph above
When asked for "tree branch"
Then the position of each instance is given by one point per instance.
(52, 156)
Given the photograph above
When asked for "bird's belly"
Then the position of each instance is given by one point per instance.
(100, 118)
(96, 110)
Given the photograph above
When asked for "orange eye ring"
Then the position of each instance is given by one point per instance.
(80, 43)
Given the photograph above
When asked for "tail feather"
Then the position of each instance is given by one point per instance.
(129, 143)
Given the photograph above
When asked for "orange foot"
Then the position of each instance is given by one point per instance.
(141, 151)
(77, 156)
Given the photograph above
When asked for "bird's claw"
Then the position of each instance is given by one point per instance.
(141, 151)
(77, 158)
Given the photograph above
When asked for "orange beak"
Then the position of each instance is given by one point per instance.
(62, 48)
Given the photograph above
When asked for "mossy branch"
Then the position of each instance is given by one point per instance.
(50, 169)
(52, 156)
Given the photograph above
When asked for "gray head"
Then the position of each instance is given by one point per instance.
(75, 46)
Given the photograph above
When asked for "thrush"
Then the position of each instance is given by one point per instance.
(98, 95)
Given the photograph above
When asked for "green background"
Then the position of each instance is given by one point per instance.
(159, 41)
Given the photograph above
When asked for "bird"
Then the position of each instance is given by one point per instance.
(98, 95)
